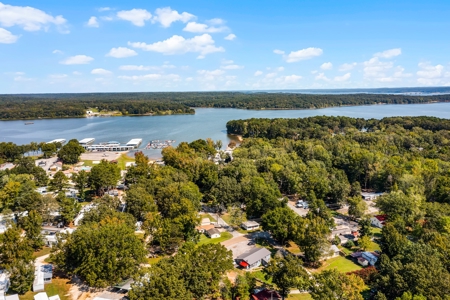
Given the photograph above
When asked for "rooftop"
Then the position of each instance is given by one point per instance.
(254, 255)
(250, 223)
(213, 231)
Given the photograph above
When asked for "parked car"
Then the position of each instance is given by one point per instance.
(251, 243)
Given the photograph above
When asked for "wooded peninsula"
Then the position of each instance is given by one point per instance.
(50, 106)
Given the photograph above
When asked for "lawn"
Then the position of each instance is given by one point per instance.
(226, 218)
(154, 260)
(42, 252)
(209, 217)
(373, 246)
(260, 276)
(58, 286)
(339, 263)
(123, 160)
(293, 248)
(303, 296)
(206, 240)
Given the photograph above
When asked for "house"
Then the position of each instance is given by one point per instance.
(362, 261)
(370, 257)
(206, 221)
(43, 274)
(265, 294)
(370, 196)
(213, 233)
(4, 281)
(204, 228)
(378, 221)
(7, 166)
(44, 296)
(330, 252)
(57, 166)
(250, 225)
(254, 258)
(9, 297)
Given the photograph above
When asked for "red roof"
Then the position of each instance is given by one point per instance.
(381, 218)
(266, 295)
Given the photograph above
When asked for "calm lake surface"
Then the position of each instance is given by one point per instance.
(207, 122)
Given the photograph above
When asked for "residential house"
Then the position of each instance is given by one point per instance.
(4, 281)
(7, 166)
(265, 294)
(43, 274)
(370, 196)
(9, 297)
(213, 233)
(204, 228)
(44, 296)
(378, 221)
(250, 225)
(370, 257)
(254, 258)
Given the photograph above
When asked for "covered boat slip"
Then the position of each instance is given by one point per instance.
(113, 146)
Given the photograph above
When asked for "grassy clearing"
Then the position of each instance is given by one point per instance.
(339, 263)
(59, 286)
(154, 260)
(209, 217)
(123, 160)
(42, 252)
(224, 236)
(260, 276)
(226, 218)
(376, 232)
(88, 163)
(303, 296)
(293, 248)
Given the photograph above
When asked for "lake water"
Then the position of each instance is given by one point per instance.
(207, 122)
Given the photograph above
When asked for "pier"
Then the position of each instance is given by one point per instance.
(157, 144)
(115, 146)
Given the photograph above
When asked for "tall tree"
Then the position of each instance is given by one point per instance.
(81, 181)
(59, 182)
(104, 176)
(331, 284)
(70, 152)
(32, 224)
(101, 254)
(282, 223)
(287, 273)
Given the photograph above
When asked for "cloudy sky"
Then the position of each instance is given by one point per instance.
(122, 46)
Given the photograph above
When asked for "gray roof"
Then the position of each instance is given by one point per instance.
(213, 231)
(254, 255)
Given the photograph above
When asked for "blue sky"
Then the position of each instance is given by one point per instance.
(125, 46)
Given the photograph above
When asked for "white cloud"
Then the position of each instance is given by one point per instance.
(7, 37)
(77, 60)
(326, 66)
(291, 78)
(135, 68)
(216, 21)
(280, 69)
(166, 16)
(56, 51)
(431, 75)
(57, 76)
(189, 79)
(135, 16)
(430, 71)
(299, 55)
(227, 62)
(232, 67)
(101, 72)
(22, 78)
(150, 77)
(216, 72)
(101, 9)
(29, 18)
(374, 68)
(342, 78)
(389, 53)
(93, 22)
(321, 76)
(121, 52)
(258, 73)
(230, 37)
(201, 28)
(271, 75)
(347, 67)
(77, 73)
(202, 44)
(106, 18)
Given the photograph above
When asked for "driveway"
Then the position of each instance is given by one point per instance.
(238, 245)
(299, 211)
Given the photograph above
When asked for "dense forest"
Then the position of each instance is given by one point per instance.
(325, 161)
(13, 107)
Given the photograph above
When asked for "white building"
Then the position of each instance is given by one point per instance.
(43, 274)
(378, 221)
(370, 196)
(250, 225)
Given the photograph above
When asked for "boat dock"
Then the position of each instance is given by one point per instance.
(115, 146)
(62, 141)
(157, 144)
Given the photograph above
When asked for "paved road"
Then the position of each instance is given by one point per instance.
(299, 211)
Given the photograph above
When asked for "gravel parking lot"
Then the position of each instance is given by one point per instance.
(97, 156)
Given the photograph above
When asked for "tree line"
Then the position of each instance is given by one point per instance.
(16, 107)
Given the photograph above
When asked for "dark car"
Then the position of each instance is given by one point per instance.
(251, 243)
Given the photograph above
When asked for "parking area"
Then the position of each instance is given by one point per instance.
(299, 211)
